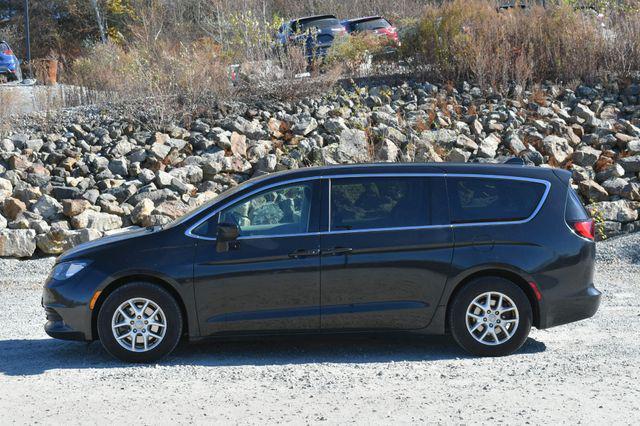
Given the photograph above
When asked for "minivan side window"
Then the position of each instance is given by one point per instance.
(282, 211)
(475, 199)
(384, 202)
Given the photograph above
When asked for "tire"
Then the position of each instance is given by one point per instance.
(468, 322)
(155, 306)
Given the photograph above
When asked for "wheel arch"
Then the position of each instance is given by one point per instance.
(512, 276)
(119, 282)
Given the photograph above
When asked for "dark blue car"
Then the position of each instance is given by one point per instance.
(315, 33)
(9, 64)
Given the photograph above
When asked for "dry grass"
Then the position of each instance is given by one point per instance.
(469, 39)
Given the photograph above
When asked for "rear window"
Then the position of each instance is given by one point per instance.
(371, 25)
(385, 202)
(492, 200)
(4, 47)
(315, 23)
(575, 211)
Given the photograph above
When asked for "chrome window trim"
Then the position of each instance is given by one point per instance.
(543, 199)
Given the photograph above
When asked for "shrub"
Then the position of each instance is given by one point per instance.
(470, 39)
(354, 52)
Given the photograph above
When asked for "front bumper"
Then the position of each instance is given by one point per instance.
(571, 308)
(66, 304)
(56, 327)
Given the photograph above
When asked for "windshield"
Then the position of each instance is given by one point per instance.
(315, 23)
(371, 25)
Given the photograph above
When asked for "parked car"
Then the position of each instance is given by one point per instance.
(9, 64)
(480, 251)
(315, 34)
(375, 25)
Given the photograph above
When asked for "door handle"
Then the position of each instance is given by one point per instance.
(336, 251)
(301, 253)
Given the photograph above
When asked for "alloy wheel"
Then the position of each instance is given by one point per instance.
(139, 324)
(492, 318)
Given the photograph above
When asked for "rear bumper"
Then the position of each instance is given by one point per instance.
(572, 308)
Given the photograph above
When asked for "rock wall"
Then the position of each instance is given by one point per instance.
(92, 173)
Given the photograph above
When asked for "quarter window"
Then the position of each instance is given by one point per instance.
(387, 202)
(286, 210)
(492, 200)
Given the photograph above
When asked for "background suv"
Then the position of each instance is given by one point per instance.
(314, 33)
(9, 64)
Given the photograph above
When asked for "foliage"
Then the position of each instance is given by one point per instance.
(354, 51)
(471, 40)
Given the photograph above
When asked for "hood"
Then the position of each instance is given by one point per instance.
(91, 246)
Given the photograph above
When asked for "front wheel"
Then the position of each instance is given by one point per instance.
(139, 322)
(490, 316)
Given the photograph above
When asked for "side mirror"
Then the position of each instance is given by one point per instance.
(226, 237)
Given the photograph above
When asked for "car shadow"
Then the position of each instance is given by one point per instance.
(36, 356)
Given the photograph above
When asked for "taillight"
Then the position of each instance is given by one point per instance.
(8, 52)
(584, 228)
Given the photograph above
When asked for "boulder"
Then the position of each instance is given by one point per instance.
(557, 148)
(614, 211)
(17, 242)
(387, 151)
(96, 220)
(630, 164)
(489, 146)
(592, 191)
(142, 211)
(58, 240)
(13, 207)
(47, 207)
(586, 156)
(352, 148)
(238, 144)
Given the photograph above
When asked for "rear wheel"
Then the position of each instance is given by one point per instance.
(490, 316)
(139, 322)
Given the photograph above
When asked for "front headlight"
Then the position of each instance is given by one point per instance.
(66, 270)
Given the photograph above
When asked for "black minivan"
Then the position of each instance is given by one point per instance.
(479, 251)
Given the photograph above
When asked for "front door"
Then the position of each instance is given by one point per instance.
(269, 279)
(387, 252)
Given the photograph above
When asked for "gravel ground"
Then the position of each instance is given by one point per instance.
(587, 372)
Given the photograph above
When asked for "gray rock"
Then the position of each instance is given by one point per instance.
(614, 185)
(303, 124)
(96, 220)
(630, 164)
(352, 148)
(58, 240)
(615, 211)
(489, 146)
(119, 166)
(457, 155)
(387, 151)
(557, 148)
(142, 211)
(47, 207)
(592, 191)
(335, 126)
(17, 242)
(586, 156)
(634, 146)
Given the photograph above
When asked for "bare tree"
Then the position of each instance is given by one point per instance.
(101, 26)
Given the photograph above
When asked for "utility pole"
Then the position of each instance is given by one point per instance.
(27, 36)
